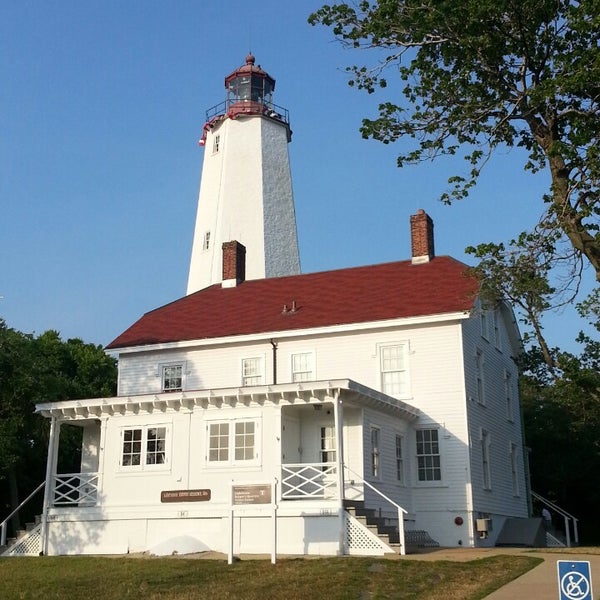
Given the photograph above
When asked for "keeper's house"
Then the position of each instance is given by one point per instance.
(316, 403)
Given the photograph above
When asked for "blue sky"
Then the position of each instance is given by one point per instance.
(101, 107)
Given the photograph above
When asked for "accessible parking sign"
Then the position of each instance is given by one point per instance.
(574, 580)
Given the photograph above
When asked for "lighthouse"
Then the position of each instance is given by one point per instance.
(246, 186)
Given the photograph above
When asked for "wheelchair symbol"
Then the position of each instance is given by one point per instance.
(575, 586)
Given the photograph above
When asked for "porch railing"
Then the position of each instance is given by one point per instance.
(79, 489)
(309, 481)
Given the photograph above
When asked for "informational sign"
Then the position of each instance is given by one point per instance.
(574, 580)
(251, 494)
(185, 496)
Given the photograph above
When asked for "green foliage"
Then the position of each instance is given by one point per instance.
(42, 369)
(477, 75)
(562, 427)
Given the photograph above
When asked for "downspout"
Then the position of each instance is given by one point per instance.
(274, 345)
(48, 489)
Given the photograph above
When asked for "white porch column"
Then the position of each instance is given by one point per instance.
(50, 469)
(338, 419)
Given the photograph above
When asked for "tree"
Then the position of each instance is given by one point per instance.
(478, 75)
(41, 369)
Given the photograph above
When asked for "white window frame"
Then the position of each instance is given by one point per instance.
(328, 451)
(148, 445)
(255, 375)
(485, 438)
(308, 372)
(387, 367)
(375, 452)
(399, 458)
(513, 457)
(232, 436)
(433, 458)
(216, 143)
(479, 376)
(162, 367)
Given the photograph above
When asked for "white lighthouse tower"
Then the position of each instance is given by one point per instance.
(246, 188)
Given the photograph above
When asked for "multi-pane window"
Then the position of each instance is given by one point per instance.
(394, 377)
(172, 378)
(496, 329)
(485, 459)
(252, 371)
(399, 460)
(232, 442)
(144, 447)
(514, 468)
(302, 367)
(244, 440)
(206, 240)
(328, 444)
(479, 377)
(216, 143)
(429, 466)
(375, 456)
(218, 442)
(508, 395)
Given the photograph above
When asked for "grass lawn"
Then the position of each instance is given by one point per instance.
(345, 578)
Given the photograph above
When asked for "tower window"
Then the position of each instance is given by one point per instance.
(216, 143)
(206, 241)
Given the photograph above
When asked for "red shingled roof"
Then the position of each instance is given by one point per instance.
(346, 296)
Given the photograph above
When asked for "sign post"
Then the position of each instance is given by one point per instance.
(574, 580)
(251, 494)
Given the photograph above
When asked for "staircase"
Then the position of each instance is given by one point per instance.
(387, 530)
(27, 542)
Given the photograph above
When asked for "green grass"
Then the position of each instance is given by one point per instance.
(82, 578)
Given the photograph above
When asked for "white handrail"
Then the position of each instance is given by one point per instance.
(5, 522)
(564, 514)
(401, 511)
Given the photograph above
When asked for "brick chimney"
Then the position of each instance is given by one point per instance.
(234, 264)
(421, 233)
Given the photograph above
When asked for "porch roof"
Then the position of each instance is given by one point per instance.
(309, 392)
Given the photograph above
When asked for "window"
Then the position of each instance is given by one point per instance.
(485, 459)
(216, 143)
(172, 378)
(479, 377)
(514, 469)
(375, 458)
(428, 455)
(252, 371)
(206, 240)
(144, 447)
(302, 367)
(496, 329)
(483, 319)
(394, 376)
(327, 444)
(508, 395)
(232, 443)
(399, 460)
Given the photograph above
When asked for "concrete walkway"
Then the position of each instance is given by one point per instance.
(541, 583)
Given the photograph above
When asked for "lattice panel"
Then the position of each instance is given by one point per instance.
(361, 540)
(28, 545)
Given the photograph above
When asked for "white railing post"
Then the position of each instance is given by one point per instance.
(401, 532)
(49, 489)
(567, 531)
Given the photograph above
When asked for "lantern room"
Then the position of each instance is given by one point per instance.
(249, 89)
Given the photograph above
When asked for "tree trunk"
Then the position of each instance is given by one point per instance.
(13, 495)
